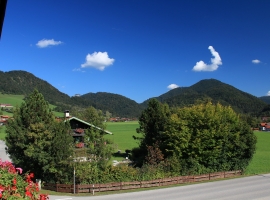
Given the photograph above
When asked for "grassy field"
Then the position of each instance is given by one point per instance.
(122, 134)
(14, 100)
(260, 163)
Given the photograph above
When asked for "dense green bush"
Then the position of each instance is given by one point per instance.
(198, 139)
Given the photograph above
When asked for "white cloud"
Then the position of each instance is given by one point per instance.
(45, 43)
(215, 62)
(256, 61)
(268, 93)
(172, 86)
(98, 60)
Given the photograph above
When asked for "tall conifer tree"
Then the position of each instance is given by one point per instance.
(33, 138)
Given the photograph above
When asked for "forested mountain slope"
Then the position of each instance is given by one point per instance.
(216, 91)
(117, 104)
(23, 83)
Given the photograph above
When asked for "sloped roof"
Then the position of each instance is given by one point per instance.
(263, 124)
(108, 132)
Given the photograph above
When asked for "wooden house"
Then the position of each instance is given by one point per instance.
(79, 126)
(265, 126)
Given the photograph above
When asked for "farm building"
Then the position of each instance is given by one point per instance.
(265, 126)
(3, 119)
(5, 105)
(79, 126)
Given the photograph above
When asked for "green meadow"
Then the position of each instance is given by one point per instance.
(122, 134)
(260, 163)
(14, 100)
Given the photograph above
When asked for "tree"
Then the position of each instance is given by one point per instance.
(209, 137)
(108, 115)
(61, 150)
(152, 123)
(197, 139)
(33, 138)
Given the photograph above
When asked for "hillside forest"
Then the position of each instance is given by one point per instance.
(115, 105)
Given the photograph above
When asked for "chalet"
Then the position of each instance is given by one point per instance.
(5, 105)
(265, 126)
(3, 119)
(79, 126)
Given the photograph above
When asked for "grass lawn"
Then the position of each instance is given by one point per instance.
(122, 134)
(122, 137)
(260, 163)
(14, 100)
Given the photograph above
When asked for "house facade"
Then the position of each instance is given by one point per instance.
(265, 126)
(78, 128)
(3, 119)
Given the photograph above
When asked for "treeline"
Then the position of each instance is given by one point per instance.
(117, 104)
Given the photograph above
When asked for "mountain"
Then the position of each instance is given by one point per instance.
(265, 99)
(116, 104)
(216, 91)
(22, 82)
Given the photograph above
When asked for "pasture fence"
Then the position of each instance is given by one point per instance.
(92, 188)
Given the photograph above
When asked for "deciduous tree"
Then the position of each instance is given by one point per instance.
(200, 138)
(209, 137)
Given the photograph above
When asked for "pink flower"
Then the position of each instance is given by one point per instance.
(19, 169)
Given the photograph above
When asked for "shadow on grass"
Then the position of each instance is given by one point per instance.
(120, 155)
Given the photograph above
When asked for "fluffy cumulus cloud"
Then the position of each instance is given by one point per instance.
(172, 86)
(45, 43)
(98, 60)
(256, 61)
(215, 62)
(268, 93)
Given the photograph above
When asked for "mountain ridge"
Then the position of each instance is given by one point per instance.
(23, 82)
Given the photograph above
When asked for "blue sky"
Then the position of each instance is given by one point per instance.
(139, 48)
